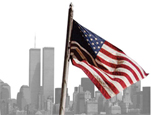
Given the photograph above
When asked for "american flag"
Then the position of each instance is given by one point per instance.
(108, 67)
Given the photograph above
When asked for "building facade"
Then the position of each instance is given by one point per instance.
(48, 72)
(146, 100)
(57, 95)
(34, 75)
(87, 85)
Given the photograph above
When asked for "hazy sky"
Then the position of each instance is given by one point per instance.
(126, 24)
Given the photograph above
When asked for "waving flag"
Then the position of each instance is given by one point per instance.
(108, 67)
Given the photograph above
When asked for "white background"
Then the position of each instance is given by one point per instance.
(126, 24)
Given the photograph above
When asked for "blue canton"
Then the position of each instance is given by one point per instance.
(87, 39)
(93, 40)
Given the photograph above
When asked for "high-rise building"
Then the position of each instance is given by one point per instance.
(19, 100)
(41, 102)
(5, 91)
(57, 95)
(135, 88)
(92, 107)
(23, 97)
(34, 75)
(48, 72)
(87, 85)
(4, 107)
(26, 93)
(49, 106)
(4, 98)
(101, 103)
(146, 100)
(1, 83)
(81, 105)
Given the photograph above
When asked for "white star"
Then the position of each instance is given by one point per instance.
(92, 43)
(97, 42)
(84, 31)
(87, 39)
(94, 48)
(91, 39)
(101, 42)
(95, 51)
(85, 35)
(90, 35)
(98, 47)
(96, 39)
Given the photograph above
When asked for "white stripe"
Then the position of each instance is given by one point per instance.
(139, 67)
(116, 53)
(125, 62)
(128, 72)
(115, 83)
(99, 79)
(123, 78)
(108, 59)
(107, 67)
(117, 76)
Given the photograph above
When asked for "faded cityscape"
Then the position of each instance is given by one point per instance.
(45, 100)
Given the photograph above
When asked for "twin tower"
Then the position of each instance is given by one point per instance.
(41, 63)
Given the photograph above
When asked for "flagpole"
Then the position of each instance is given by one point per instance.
(66, 62)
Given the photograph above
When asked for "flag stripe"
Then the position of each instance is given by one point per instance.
(113, 83)
(119, 79)
(76, 46)
(99, 82)
(117, 53)
(113, 47)
(108, 67)
(122, 60)
(116, 74)
(104, 60)
(124, 64)
(123, 76)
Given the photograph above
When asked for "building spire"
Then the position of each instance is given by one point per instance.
(35, 41)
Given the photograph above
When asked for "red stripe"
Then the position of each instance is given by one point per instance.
(119, 50)
(116, 66)
(119, 58)
(114, 89)
(114, 79)
(123, 74)
(98, 85)
(113, 47)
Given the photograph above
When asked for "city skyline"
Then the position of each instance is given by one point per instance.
(127, 28)
(37, 24)
(41, 55)
(138, 101)
(36, 98)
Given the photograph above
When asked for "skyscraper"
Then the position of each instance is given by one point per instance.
(146, 100)
(57, 95)
(34, 75)
(48, 72)
(23, 97)
(87, 85)
(26, 93)
(5, 92)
